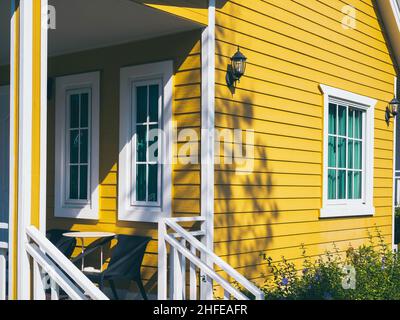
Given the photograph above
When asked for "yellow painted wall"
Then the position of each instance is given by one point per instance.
(184, 49)
(292, 47)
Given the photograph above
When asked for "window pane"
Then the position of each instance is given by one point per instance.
(350, 184)
(73, 182)
(342, 120)
(357, 155)
(350, 154)
(84, 146)
(141, 147)
(141, 103)
(358, 125)
(153, 103)
(342, 153)
(153, 143)
(83, 183)
(332, 118)
(342, 184)
(74, 111)
(153, 182)
(332, 152)
(141, 182)
(84, 110)
(74, 146)
(357, 185)
(351, 123)
(332, 184)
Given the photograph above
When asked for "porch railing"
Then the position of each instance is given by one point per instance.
(53, 271)
(3, 264)
(190, 260)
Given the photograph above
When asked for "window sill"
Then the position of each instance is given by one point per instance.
(346, 211)
(74, 212)
(150, 215)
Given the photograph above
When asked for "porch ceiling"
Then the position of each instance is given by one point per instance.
(83, 25)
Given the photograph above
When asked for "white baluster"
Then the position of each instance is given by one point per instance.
(183, 270)
(2, 275)
(177, 292)
(39, 288)
(193, 277)
(227, 295)
(162, 262)
(55, 290)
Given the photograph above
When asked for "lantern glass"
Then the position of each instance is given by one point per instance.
(394, 106)
(238, 64)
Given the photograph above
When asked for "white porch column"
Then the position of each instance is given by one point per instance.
(29, 122)
(207, 139)
(25, 145)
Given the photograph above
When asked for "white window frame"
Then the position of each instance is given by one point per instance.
(128, 210)
(350, 208)
(63, 207)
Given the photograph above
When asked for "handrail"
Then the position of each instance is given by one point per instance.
(60, 268)
(179, 239)
(206, 269)
(216, 260)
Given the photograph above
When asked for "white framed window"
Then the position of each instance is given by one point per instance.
(145, 157)
(348, 158)
(77, 146)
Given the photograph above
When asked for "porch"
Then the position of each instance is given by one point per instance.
(72, 171)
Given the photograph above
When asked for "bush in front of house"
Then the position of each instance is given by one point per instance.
(370, 272)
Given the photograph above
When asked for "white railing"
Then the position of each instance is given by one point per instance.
(3, 264)
(53, 271)
(191, 260)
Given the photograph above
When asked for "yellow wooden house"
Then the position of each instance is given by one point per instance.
(225, 130)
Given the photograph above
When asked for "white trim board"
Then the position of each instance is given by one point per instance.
(331, 209)
(43, 122)
(25, 146)
(128, 76)
(89, 209)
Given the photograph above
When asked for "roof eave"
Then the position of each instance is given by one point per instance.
(390, 11)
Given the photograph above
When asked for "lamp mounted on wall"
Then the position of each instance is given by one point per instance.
(236, 69)
(392, 110)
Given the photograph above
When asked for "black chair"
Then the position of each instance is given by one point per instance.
(125, 263)
(65, 244)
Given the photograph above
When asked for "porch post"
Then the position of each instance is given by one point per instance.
(207, 140)
(29, 85)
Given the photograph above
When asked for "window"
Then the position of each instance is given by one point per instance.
(345, 151)
(145, 165)
(145, 142)
(77, 146)
(348, 154)
(78, 165)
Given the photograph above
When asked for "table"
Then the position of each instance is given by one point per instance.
(87, 235)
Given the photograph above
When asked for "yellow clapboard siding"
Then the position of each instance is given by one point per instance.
(265, 192)
(276, 242)
(259, 179)
(253, 265)
(273, 166)
(312, 71)
(314, 29)
(233, 233)
(292, 47)
(331, 18)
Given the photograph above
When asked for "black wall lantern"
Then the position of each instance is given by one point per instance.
(392, 110)
(236, 69)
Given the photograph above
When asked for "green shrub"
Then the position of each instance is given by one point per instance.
(377, 275)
